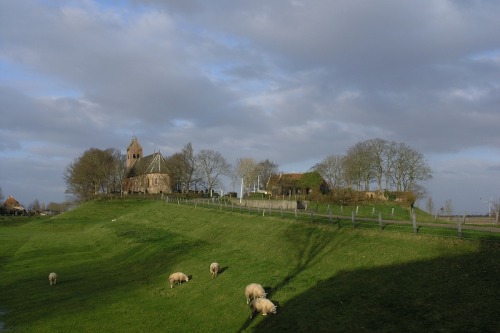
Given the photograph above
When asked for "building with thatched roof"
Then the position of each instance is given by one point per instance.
(145, 174)
(12, 206)
(289, 184)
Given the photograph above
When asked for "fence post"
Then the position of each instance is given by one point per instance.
(329, 214)
(353, 222)
(380, 220)
(373, 211)
(392, 213)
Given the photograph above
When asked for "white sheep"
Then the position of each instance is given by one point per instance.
(52, 278)
(254, 290)
(177, 277)
(214, 269)
(262, 305)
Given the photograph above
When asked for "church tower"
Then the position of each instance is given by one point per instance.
(134, 152)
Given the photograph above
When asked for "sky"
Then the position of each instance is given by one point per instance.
(287, 80)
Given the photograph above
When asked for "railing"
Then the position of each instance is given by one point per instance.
(378, 222)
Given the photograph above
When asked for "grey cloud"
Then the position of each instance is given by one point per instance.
(293, 81)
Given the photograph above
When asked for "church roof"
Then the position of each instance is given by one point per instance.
(154, 163)
(134, 144)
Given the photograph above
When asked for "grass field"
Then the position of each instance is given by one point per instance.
(113, 259)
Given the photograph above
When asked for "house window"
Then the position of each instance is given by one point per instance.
(155, 181)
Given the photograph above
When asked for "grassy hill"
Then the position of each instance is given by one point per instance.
(113, 259)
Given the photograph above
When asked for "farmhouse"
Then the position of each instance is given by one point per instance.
(12, 206)
(145, 174)
(297, 184)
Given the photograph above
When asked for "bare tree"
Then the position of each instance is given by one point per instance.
(331, 168)
(175, 167)
(246, 169)
(358, 165)
(390, 163)
(447, 209)
(378, 152)
(266, 169)
(35, 206)
(212, 165)
(117, 176)
(189, 177)
(182, 169)
(429, 205)
(493, 207)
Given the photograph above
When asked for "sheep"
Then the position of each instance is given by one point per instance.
(254, 290)
(214, 269)
(262, 305)
(177, 277)
(52, 278)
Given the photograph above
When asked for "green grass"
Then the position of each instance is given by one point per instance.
(113, 274)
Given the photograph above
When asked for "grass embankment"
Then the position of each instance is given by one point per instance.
(113, 274)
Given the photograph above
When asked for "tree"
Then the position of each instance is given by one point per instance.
(358, 165)
(181, 168)
(429, 205)
(90, 174)
(493, 207)
(246, 169)
(448, 208)
(175, 167)
(378, 151)
(266, 169)
(35, 206)
(331, 168)
(211, 165)
(117, 177)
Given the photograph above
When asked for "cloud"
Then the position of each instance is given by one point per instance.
(293, 81)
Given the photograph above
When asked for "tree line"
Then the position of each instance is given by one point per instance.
(389, 165)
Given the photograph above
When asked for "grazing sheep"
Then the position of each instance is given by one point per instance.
(52, 278)
(254, 290)
(177, 277)
(262, 305)
(214, 269)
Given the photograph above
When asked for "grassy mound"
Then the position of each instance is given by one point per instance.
(113, 259)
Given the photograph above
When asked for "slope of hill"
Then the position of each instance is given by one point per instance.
(113, 259)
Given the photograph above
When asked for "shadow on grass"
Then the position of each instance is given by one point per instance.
(452, 294)
(309, 248)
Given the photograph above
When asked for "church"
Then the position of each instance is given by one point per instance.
(145, 174)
